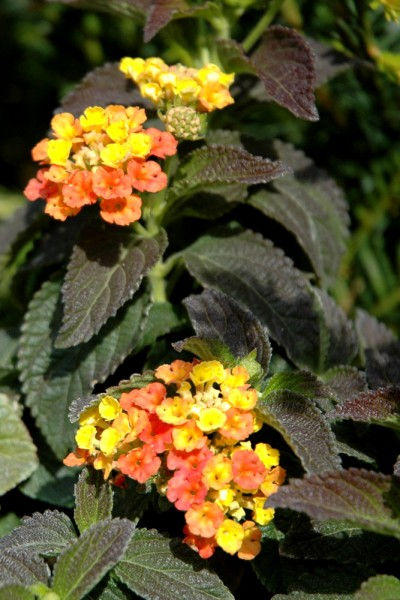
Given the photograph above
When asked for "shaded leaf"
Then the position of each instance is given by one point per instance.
(111, 590)
(104, 85)
(15, 592)
(105, 270)
(307, 596)
(356, 495)
(372, 333)
(11, 228)
(129, 8)
(56, 377)
(396, 467)
(267, 564)
(51, 482)
(82, 565)
(215, 315)
(17, 451)
(93, 499)
(23, 568)
(380, 587)
(8, 522)
(157, 567)
(216, 165)
(328, 62)
(383, 366)
(262, 279)
(205, 349)
(345, 382)
(45, 534)
(304, 429)
(163, 317)
(299, 382)
(380, 406)
(284, 62)
(233, 58)
(161, 12)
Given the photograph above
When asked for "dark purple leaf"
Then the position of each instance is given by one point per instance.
(130, 8)
(372, 406)
(161, 12)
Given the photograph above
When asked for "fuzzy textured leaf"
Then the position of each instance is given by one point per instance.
(161, 12)
(17, 452)
(284, 62)
(56, 377)
(263, 280)
(129, 8)
(15, 592)
(82, 565)
(380, 587)
(215, 315)
(157, 567)
(372, 333)
(46, 534)
(22, 568)
(102, 86)
(376, 406)
(299, 382)
(216, 164)
(356, 495)
(105, 270)
(304, 429)
(93, 499)
(345, 382)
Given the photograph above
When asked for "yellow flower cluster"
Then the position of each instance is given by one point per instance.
(204, 89)
(188, 433)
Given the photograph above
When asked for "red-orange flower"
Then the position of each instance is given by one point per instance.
(140, 464)
(121, 211)
(146, 176)
(239, 425)
(248, 470)
(185, 489)
(164, 144)
(204, 519)
(148, 397)
(111, 183)
(188, 461)
(78, 190)
(204, 546)
(157, 434)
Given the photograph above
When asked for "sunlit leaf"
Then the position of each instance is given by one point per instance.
(93, 499)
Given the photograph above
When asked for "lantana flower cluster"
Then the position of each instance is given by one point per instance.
(102, 156)
(188, 434)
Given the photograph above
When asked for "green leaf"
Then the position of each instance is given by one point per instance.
(22, 568)
(299, 382)
(163, 318)
(15, 592)
(8, 522)
(381, 406)
(111, 590)
(311, 206)
(217, 316)
(17, 452)
(233, 58)
(355, 495)
(267, 565)
(306, 596)
(51, 482)
(93, 499)
(381, 587)
(45, 534)
(105, 270)
(157, 567)
(80, 567)
(103, 86)
(20, 220)
(211, 166)
(303, 427)
(263, 280)
(56, 377)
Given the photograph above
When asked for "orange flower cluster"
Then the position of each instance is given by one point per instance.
(101, 156)
(188, 434)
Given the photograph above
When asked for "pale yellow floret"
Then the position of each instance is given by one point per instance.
(230, 536)
(86, 437)
(58, 151)
(103, 463)
(208, 371)
(211, 419)
(90, 416)
(152, 91)
(109, 408)
(269, 456)
(122, 425)
(132, 67)
(212, 74)
(243, 399)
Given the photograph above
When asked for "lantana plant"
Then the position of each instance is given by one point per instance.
(156, 225)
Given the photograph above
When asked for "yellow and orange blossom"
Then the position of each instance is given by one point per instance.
(191, 440)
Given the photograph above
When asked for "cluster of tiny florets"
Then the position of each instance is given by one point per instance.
(102, 156)
(188, 434)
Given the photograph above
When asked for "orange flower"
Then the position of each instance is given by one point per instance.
(214, 95)
(40, 187)
(148, 397)
(156, 434)
(204, 546)
(111, 183)
(248, 470)
(77, 458)
(188, 461)
(188, 437)
(39, 152)
(186, 489)
(163, 143)
(78, 190)
(140, 464)
(176, 372)
(251, 545)
(121, 211)
(204, 519)
(146, 176)
(239, 425)
(56, 207)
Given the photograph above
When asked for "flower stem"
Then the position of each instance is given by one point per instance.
(157, 283)
(262, 25)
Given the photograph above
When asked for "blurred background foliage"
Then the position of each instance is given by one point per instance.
(47, 48)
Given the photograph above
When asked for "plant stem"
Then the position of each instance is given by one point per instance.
(262, 25)
(157, 283)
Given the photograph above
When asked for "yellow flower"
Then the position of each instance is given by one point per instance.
(109, 408)
(90, 416)
(64, 126)
(109, 441)
(114, 154)
(211, 419)
(245, 400)
(208, 371)
(262, 515)
(218, 472)
(230, 536)
(103, 463)
(133, 67)
(152, 91)
(94, 117)
(269, 456)
(212, 74)
(58, 151)
(85, 437)
(174, 410)
(118, 130)
(139, 144)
